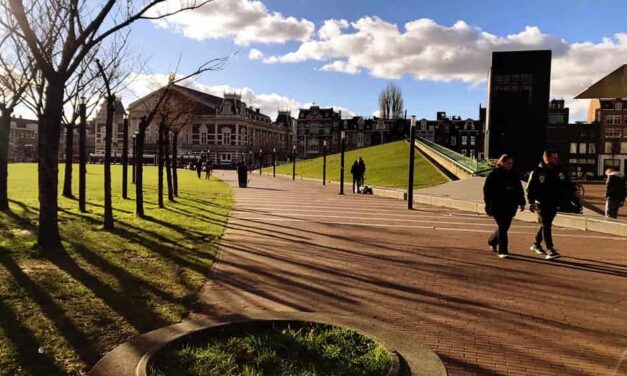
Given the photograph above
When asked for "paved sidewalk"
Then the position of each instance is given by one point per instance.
(426, 273)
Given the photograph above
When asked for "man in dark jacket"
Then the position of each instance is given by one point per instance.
(503, 194)
(355, 173)
(547, 185)
(198, 168)
(615, 192)
(362, 173)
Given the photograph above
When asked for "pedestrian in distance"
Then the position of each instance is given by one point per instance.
(361, 174)
(548, 184)
(503, 194)
(355, 173)
(198, 168)
(615, 192)
(207, 170)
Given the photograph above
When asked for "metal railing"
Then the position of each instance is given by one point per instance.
(473, 166)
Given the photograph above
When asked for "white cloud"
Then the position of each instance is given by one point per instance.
(340, 66)
(269, 103)
(255, 54)
(246, 21)
(427, 50)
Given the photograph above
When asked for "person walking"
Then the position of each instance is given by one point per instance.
(547, 185)
(361, 174)
(503, 194)
(207, 170)
(355, 173)
(198, 168)
(615, 193)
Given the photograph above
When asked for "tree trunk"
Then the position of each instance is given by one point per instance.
(48, 237)
(108, 207)
(69, 151)
(5, 125)
(175, 158)
(125, 160)
(160, 161)
(139, 171)
(167, 166)
(82, 158)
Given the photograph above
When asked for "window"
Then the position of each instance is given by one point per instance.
(472, 153)
(618, 106)
(453, 140)
(472, 140)
(614, 163)
(625, 120)
(612, 132)
(423, 125)
(360, 139)
(608, 148)
(226, 136)
(612, 120)
(623, 147)
(572, 160)
(464, 152)
(203, 138)
(592, 148)
(464, 140)
(582, 148)
(592, 161)
(573, 148)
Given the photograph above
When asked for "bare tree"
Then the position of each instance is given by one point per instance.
(16, 76)
(153, 105)
(391, 102)
(60, 34)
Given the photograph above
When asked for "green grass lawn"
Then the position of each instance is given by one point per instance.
(60, 312)
(306, 349)
(386, 166)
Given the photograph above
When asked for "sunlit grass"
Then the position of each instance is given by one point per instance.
(60, 312)
(301, 350)
(386, 166)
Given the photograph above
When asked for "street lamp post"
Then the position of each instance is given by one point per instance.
(324, 162)
(274, 162)
(293, 162)
(260, 160)
(410, 178)
(342, 147)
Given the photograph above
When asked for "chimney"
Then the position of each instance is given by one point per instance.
(257, 110)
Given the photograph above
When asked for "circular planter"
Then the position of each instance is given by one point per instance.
(239, 327)
(131, 357)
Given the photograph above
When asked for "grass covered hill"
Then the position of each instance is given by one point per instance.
(60, 312)
(386, 166)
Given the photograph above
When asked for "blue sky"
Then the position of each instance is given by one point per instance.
(430, 79)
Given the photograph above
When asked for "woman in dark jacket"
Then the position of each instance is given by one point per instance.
(503, 194)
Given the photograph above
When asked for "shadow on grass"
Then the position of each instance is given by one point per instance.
(51, 309)
(25, 345)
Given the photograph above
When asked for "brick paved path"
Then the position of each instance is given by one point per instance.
(426, 273)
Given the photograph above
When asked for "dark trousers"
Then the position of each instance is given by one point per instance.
(355, 182)
(546, 217)
(499, 236)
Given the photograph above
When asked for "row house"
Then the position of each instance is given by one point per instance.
(464, 136)
(22, 140)
(609, 98)
(316, 125)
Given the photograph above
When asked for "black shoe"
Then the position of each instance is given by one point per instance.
(552, 254)
(492, 247)
(537, 249)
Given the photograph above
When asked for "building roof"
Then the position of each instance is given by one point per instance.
(614, 85)
(203, 98)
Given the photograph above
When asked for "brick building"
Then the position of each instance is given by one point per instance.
(611, 115)
(226, 130)
(22, 140)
